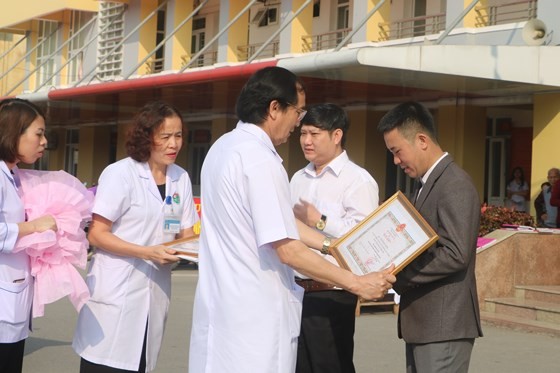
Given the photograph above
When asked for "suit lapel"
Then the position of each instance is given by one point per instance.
(432, 179)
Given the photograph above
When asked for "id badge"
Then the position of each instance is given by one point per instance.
(171, 224)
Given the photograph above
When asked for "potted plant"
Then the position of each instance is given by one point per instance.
(494, 217)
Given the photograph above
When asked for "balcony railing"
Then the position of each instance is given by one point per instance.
(324, 41)
(208, 58)
(410, 27)
(244, 52)
(154, 65)
(517, 11)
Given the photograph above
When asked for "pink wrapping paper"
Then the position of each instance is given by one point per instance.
(55, 255)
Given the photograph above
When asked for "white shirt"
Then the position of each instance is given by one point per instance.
(126, 291)
(16, 282)
(344, 192)
(247, 307)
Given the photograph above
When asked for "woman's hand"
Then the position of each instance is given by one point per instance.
(44, 223)
(161, 254)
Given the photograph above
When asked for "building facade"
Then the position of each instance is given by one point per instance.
(486, 69)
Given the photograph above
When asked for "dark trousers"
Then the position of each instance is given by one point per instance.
(11, 357)
(326, 341)
(439, 357)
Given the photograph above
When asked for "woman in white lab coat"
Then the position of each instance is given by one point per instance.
(122, 325)
(22, 139)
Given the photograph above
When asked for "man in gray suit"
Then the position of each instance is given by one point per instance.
(438, 316)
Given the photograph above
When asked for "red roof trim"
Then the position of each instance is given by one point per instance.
(160, 81)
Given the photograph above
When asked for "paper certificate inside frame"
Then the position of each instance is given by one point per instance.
(187, 248)
(394, 233)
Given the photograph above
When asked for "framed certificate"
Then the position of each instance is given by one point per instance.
(394, 233)
(187, 248)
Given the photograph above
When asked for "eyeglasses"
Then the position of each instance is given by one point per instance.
(301, 112)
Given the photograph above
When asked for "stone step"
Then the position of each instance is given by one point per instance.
(525, 308)
(539, 292)
(521, 324)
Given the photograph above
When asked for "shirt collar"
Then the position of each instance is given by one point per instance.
(11, 176)
(336, 165)
(427, 174)
(260, 134)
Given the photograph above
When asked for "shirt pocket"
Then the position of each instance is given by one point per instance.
(15, 299)
(109, 277)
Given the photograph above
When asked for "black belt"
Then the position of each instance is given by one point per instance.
(311, 285)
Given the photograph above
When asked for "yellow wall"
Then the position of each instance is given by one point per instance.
(147, 33)
(25, 10)
(17, 72)
(461, 132)
(382, 15)
(238, 32)
(181, 41)
(375, 150)
(546, 134)
(94, 153)
(56, 156)
(301, 25)
(470, 19)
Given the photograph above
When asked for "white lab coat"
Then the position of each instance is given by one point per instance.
(16, 282)
(127, 292)
(247, 307)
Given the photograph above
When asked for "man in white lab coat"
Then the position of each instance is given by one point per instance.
(247, 307)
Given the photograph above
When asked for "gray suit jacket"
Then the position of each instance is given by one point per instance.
(438, 289)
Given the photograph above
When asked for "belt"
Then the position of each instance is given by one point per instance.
(312, 285)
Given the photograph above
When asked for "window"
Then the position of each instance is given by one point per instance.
(77, 42)
(71, 154)
(198, 39)
(160, 35)
(111, 15)
(266, 16)
(316, 8)
(46, 45)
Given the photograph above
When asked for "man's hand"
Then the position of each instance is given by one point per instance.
(307, 213)
(375, 285)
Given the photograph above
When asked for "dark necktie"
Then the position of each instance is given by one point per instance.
(418, 185)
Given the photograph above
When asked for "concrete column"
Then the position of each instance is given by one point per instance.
(546, 132)
(94, 152)
(462, 132)
(180, 43)
(291, 37)
(370, 31)
(147, 33)
(237, 34)
(454, 9)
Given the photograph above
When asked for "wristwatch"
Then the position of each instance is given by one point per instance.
(320, 225)
(326, 246)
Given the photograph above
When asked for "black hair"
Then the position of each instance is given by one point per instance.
(16, 115)
(410, 118)
(144, 125)
(327, 117)
(263, 87)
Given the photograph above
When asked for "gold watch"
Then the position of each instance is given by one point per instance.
(320, 225)
(326, 246)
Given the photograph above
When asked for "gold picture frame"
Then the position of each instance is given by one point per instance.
(186, 248)
(394, 233)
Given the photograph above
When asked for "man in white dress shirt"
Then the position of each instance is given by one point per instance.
(331, 194)
(247, 307)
